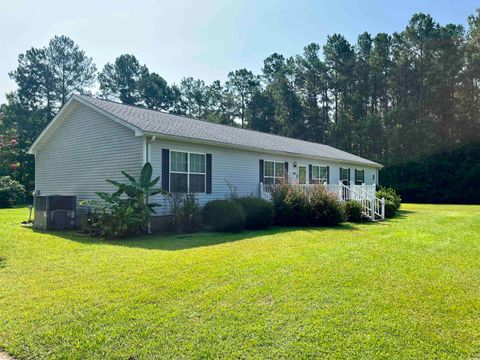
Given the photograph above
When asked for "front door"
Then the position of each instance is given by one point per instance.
(345, 176)
(302, 174)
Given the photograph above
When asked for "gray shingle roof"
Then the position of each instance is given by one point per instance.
(153, 121)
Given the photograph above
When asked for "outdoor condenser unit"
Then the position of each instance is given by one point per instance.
(55, 212)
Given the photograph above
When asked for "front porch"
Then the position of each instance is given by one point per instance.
(372, 207)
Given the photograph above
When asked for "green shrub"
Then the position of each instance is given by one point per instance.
(290, 205)
(186, 212)
(224, 215)
(278, 194)
(294, 206)
(392, 201)
(11, 192)
(353, 211)
(324, 209)
(390, 209)
(258, 212)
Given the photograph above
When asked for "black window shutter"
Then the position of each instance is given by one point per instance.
(349, 178)
(310, 173)
(355, 179)
(328, 174)
(209, 173)
(166, 169)
(286, 171)
(260, 171)
(340, 177)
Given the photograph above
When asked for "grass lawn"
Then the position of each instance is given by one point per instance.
(404, 288)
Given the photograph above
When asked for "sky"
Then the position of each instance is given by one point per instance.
(205, 39)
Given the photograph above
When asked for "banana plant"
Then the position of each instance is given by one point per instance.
(127, 211)
(139, 190)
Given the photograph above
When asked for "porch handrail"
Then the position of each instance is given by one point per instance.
(372, 206)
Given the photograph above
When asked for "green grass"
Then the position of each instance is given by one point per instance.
(404, 288)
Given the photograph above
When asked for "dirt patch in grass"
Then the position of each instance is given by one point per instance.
(5, 356)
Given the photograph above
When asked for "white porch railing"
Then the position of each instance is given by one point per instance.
(372, 207)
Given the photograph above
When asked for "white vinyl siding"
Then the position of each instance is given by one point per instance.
(83, 151)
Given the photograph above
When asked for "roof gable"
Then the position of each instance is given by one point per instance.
(65, 111)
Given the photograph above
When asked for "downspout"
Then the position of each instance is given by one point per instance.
(146, 156)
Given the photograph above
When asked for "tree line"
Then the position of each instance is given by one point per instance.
(393, 98)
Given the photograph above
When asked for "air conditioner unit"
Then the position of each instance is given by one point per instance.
(55, 212)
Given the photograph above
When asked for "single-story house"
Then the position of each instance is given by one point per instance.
(91, 140)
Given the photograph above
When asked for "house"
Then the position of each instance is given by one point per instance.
(91, 140)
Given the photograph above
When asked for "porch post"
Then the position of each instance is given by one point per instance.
(383, 208)
(340, 190)
(261, 190)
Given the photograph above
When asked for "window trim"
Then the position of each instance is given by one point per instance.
(274, 171)
(319, 178)
(188, 172)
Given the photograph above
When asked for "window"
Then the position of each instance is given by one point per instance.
(187, 172)
(273, 172)
(345, 176)
(359, 177)
(319, 174)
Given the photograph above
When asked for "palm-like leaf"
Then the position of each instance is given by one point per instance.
(145, 175)
(115, 183)
(153, 192)
(118, 192)
(154, 205)
(129, 177)
(154, 182)
(105, 196)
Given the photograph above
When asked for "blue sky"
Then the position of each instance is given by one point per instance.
(204, 39)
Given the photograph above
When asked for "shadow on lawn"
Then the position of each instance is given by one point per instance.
(173, 242)
(401, 214)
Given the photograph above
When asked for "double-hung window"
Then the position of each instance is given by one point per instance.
(319, 174)
(187, 172)
(359, 177)
(274, 172)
